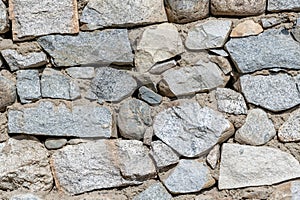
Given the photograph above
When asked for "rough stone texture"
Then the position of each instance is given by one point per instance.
(257, 130)
(24, 166)
(219, 52)
(163, 155)
(49, 119)
(262, 52)
(290, 190)
(191, 130)
(53, 143)
(190, 80)
(188, 176)
(55, 84)
(268, 22)
(273, 92)
(246, 28)
(3, 18)
(222, 62)
(135, 162)
(81, 72)
(112, 85)
(161, 67)
(209, 34)
(87, 48)
(3, 127)
(213, 157)
(154, 192)
(16, 60)
(244, 166)
(31, 19)
(290, 130)
(28, 85)
(7, 92)
(237, 7)
(113, 13)
(187, 11)
(98, 159)
(158, 43)
(149, 96)
(296, 33)
(133, 119)
(27, 196)
(230, 101)
(279, 5)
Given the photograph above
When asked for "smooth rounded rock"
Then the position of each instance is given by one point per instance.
(52, 143)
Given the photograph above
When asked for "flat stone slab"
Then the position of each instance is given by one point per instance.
(31, 19)
(279, 5)
(246, 166)
(114, 13)
(8, 92)
(271, 49)
(290, 130)
(154, 192)
(49, 119)
(88, 48)
(191, 130)
(28, 85)
(273, 92)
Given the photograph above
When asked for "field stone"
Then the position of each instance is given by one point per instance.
(27, 196)
(246, 166)
(89, 48)
(24, 165)
(296, 33)
(28, 85)
(230, 101)
(290, 130)
(149, 96)
(191, 130)
(81, 72)
(3, 127)
(133, 118)
(55, 143)
(99, 14)
(7, 92)
(161, 67)
(246, 28)
(157, 43)
(255, 53)
(209, 34)
(273, 92)
(112, 85)
(237, 7)
(154, 192)
(30, 19)
(257, 130)
(213, 157)
(186, 11)
(289, 190)
(188, 176)
(54, 84)
(48, 119)
(222, 62)
(3, 18)
(279, 5)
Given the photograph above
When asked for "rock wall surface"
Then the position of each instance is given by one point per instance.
(149, 100)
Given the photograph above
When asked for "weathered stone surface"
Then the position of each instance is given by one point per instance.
(268, 22)
(258, 52)
(53, 143)
(237, 8)
(296, 33)
(213, 157)
(149, 96)
(257, 130)
(24, 166)
(290, 190)
(188, 176)
(219, 52)
(163, 155)
(3, 18)
(290, 130)
(187, 11)
(135, 162)
(28, 85)
(244, 166)
(49, 119)
(189, 80)
(81, 72)
(230, 101)
(55, 84)
(273, 92)
(98, 47)
(279, 5)
(98, 159)
(112, 85)
(191, 130)
(3, 127)
(31, 19)
(209, 34)
(27, 196)
(222, 62)
(161, 67)
(98, 14)
(133, 119)
(157, 43)
(246, 28)
(154, 192)
(7, 92)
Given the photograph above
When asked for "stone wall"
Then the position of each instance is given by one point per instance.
(193, 99)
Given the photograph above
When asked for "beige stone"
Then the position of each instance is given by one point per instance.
(246, 28)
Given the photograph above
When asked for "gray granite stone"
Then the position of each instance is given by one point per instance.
(290, 130)
(54, 143)
(280, 5)
(149, 96)
(154, 192)
(7, 92)
(81, 72)
(161, 67)
(4, 25)
(49, 119)
(88, 48)
(28, 85)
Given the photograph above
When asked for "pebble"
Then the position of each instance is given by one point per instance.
(53, 143)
